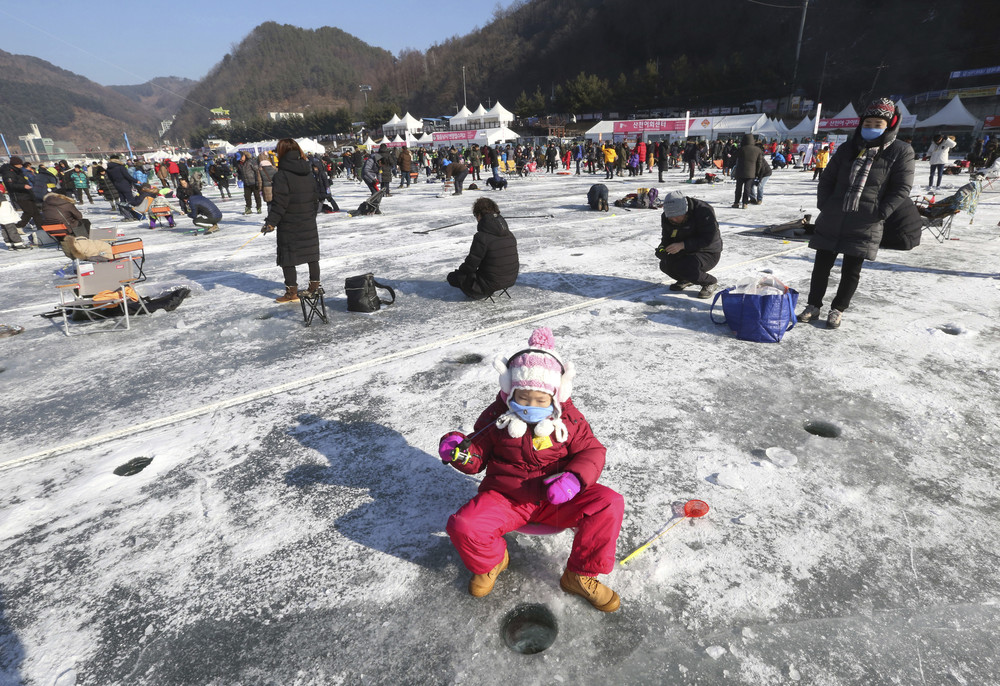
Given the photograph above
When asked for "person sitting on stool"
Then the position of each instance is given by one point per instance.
(492, 264)
(691, 243)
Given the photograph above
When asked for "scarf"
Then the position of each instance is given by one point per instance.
(862, 167)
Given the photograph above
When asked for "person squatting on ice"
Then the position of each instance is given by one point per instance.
(867, 180)
(542, 464)
(690, 244)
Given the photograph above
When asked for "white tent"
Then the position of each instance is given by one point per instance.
(901, 108)
(391, 124)
(603, 130)
(259, 146)
(499, 114)
(500, 134)
(310, 146)
(458, 121)
(369, 143)
(803, 128)
(738, 123)
(847, 113)
(768, 129)
(162, 155)
(475, 119)
(409, 124)
(952, 114)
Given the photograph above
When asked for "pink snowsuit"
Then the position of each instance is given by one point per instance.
(513, 493)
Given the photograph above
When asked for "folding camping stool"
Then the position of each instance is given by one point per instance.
(51, 233)
(502, 292)
(92, 279)
(131, 248)
(313, 306)
(157, 215)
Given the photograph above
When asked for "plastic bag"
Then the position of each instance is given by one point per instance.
(766, 284)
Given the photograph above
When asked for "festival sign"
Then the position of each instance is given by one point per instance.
(449, 136)
(644, 125)
(992, 122)
(852, 122)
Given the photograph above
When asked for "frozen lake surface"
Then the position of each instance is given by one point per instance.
(290, 527)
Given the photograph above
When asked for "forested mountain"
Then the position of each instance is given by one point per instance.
(67, 106)
(537, 57)
(624, 54)
(546, 56)
(282, 68)
(162, 96)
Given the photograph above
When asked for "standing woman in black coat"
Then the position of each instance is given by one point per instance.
(293, 214)
(867, 180)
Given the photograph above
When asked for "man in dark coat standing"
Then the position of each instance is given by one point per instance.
(20, 190)
(745, 170)
(662, 158)
(293, 214)
(122, 180)
(691, 243)
(492, 264)
(866, 182)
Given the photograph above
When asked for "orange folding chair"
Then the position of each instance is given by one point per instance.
(131, 248)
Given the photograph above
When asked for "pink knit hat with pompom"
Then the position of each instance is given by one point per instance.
(537, 368)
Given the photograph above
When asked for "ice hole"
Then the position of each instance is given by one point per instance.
(133, 466)
(818, 427)
(529, 629)
(950, 329)
(469, 358)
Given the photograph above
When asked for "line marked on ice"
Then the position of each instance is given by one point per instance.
(200, 411)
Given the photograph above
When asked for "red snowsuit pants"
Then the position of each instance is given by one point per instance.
(477, 529)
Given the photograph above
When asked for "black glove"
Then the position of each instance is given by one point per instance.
(661, 250)
(267, 228)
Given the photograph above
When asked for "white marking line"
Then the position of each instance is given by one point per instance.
(332, 374)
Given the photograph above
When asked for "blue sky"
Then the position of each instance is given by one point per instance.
(120, 43)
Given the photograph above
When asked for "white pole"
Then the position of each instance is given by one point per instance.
(687, 121)
(819, 110)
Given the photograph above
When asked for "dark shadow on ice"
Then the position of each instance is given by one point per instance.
(585, 285)
(432, 290)
(248, 283)
(407, 496)
(888, 266)
(11, 650)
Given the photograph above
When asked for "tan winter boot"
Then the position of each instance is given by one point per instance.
(481, 584)
(313, 287)
(596, 593)
(291, 295)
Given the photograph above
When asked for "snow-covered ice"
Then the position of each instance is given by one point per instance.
(290, 526)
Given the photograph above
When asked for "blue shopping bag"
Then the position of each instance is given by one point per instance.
(757, 318)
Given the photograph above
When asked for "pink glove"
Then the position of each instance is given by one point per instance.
(447, 445)
(563, 487)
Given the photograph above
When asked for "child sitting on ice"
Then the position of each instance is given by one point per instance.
(542, 464)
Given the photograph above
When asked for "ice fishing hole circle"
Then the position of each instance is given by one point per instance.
(469, 358)
(823, 429)
(133, 466)
(529, 629)
(950, 329)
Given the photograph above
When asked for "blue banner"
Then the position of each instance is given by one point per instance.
(985, 71)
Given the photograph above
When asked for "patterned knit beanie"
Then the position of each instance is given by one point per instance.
(884, 109)
(536, 368)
